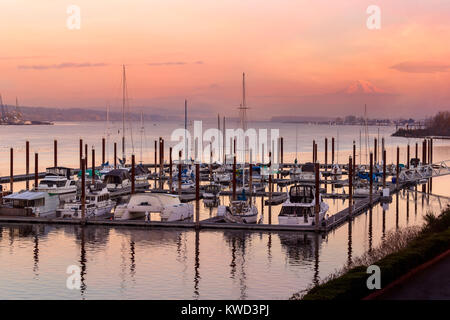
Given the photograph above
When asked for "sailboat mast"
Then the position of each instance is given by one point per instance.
(123, 113)
(142, 133)
(107, 132)
(185, 130)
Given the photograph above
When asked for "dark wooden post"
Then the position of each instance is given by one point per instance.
(156, 162)
(179, 173)
(250, 181)
(197, 195)
(424, 152)
(314, 152)
(55, 153)
(170, 170)
(133, 174)
(83, 189)
(354, 158)
(93, 166)
(384, 168)
(431, 162)
(332, 150)
(103, 150)
(115, 155)
(86, 156)
(36, 171)
(375, 150)
(27, 163)
(407, 156)
(317, 206)
(371, 178)
(270, 187)
(234, 178)
(81, 151)
(326, 154)
(282, 150)
(11, 169)
(350, 187)
(397, 173)
(417, 150)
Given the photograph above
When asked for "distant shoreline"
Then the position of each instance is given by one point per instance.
(419, 133)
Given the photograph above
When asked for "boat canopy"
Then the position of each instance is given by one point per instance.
(301, 194)
(117, 176)
(26, 195)
(308, 167)
(59, 171)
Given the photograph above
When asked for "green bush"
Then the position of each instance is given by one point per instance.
(433, 240)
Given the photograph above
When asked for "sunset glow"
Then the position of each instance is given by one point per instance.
(302, 57)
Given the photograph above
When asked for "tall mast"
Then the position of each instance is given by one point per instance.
(142, 132)
(107, 132)
(3, 108)
(123, 112)
(185, 130)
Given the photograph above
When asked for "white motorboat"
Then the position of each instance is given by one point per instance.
(167, 205)
(98, 203)
(306, 173)
(29, 203)
(299, 208)
(211, 191)
(362, 188)
(186, 184)
(59, 181)
(239, 211)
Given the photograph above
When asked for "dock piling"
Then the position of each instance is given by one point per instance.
(81, 152)
(326, 154)
(83, 189)
(103, 150)
(350, 187)
(317, 191)
(371, 178)
(11, 169)
(332, 150)
(55, 153)
(115, 155)
(170, 170)
(36, 171)
(197, 195)
(93, 165)
(27, 163)
(234, 178)
(133, 174)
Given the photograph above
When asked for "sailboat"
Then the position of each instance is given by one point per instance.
(241, 210)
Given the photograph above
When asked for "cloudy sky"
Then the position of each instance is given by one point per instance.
(300, 57)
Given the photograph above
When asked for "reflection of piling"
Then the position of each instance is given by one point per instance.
(317, 206)
(424, 159)
(27, 163)
(133, 174)
(350, 186)
(55, 153)
(11, 169)
(36, 171)
(197, 195)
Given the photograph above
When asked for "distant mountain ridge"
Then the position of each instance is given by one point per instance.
(78, 114)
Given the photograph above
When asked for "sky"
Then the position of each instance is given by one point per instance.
(300, 57)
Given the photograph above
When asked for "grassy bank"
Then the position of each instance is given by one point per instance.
(428, 242)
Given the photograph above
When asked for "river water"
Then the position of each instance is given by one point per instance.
(132, 263)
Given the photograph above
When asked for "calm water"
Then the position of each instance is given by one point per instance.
(122, 263)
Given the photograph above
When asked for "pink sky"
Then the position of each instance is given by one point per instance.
(300, 57)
